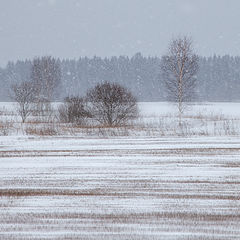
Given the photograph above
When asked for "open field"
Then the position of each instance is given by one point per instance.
(119, 188)
(147, 184)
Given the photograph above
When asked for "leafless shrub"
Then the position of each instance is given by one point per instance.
(73, 111)
(111, 104)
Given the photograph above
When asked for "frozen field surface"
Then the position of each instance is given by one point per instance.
(120, 188)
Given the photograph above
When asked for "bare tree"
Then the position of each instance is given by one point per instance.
(46, 76)
(24, 95)
(111, 104)
(179, 70)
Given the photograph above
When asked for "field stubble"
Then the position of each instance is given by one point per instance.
(119, 188)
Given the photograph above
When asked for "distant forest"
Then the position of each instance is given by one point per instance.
(218, 78)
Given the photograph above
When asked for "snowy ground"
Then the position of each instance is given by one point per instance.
(142, 187)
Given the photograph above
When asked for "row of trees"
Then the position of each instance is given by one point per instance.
(218, 78)
(108, 103)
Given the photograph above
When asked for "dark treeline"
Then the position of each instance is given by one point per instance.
(218, 77)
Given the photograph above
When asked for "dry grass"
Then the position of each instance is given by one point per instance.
(112, 193)
(42, 130)
(200, 124)
(6, 127)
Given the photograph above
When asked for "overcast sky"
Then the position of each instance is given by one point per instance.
(74, 28)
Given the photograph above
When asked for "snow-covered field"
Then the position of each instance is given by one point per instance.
(129, 187)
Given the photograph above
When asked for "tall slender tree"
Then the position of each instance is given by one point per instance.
(46, 76)
(179, 68)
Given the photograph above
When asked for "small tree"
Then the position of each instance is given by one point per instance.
(73, 110)
(111, 104)
(24, 95)
(179, 70)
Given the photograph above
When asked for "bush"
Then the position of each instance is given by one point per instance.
(73, 110)
(111, 104)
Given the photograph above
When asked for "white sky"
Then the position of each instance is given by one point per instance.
(74, 28)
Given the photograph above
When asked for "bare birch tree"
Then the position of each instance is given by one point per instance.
(179, 70)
